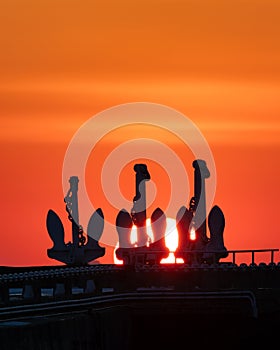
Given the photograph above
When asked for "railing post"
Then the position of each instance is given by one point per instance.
(253, 257)
(272, 255)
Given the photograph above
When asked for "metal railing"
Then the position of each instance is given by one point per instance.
(234, 253)
(253, 253)
(215, 254)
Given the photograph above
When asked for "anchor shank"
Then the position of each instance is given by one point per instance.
(138, 211)
(74, 209)
(200, 173)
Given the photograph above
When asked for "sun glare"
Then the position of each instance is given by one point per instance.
(192, 234)
(133, 236)
(116, 260)
(149, 231)
(171, 235)
(171, 241)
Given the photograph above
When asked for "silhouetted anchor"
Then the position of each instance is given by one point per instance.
(215, 248)
(124, 225)
(194, 217)
(145, 251)
(158, 225)
(183, 222)
(79, 251)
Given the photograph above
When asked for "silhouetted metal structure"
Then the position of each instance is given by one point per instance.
(83, 248)
(201, 248)
(104, 307)
(198, 249)
(144, 252)
(201, 173)
(138, 211)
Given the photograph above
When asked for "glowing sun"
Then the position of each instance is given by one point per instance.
(171, 241)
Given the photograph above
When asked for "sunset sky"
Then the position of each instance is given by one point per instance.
(62, 62)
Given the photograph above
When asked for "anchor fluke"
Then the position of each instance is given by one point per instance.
(94, 231)
(216, 223)
(124, 225)
(184, 219)
(56, 230)
(158, 224)
(215, 249)
(96, 225)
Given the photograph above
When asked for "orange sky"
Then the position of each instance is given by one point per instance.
(61, 62)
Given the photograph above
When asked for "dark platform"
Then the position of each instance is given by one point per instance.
(159, 307)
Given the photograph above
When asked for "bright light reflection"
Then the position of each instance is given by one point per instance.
(192, 234)
(116, 260)
(171, 235)
(133, 235)
(149, 230)
(171, 241)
